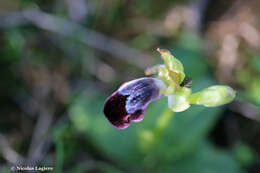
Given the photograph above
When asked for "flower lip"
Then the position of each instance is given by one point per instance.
(115, 112)
(130, 101)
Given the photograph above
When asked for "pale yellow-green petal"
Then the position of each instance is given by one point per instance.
(179, 101)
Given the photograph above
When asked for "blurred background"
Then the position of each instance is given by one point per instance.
(60, 59)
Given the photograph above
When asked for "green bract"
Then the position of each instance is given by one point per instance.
(179, 96)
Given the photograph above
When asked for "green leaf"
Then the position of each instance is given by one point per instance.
(206, 159)
(182, 134)
(244, 154)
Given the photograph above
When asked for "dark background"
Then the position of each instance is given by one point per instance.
(60, 59)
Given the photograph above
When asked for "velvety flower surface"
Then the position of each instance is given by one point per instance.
(130, 101)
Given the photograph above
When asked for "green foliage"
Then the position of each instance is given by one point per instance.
(94, 166)
(248, 78)
(4, 169)
(206, 159)
(244, 154)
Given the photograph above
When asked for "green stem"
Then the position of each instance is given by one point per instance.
(193, 98)
(163, 121)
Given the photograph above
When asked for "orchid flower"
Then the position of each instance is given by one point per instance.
(130, 101)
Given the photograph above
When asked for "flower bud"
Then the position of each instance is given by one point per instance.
(213, 96)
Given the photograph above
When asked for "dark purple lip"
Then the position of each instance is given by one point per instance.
(130, 101)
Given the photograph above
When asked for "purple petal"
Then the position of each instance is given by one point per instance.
(130, 101)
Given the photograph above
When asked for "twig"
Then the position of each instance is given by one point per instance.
(76, 31)
(8, 153)
(246, 109)
(40, 139)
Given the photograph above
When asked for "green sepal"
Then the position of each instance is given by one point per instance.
(213, 96)
(173, 65)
